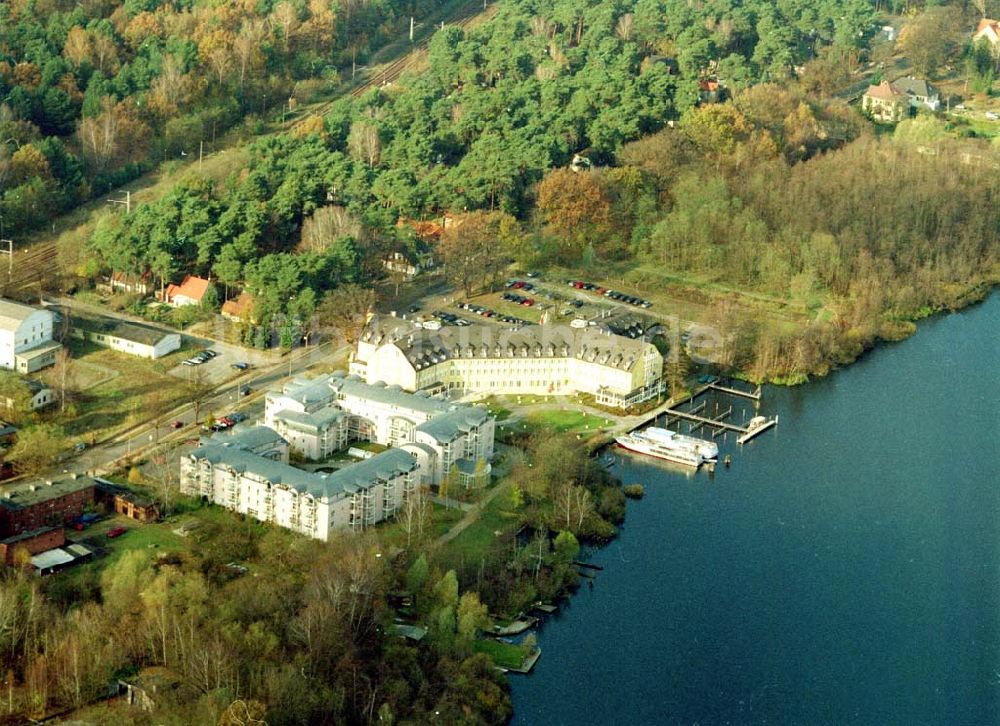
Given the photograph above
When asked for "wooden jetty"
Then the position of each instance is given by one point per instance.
(588, 565)
(754, 395)
(745, 432)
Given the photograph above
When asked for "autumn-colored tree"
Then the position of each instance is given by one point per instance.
(575, 209)
(471, 249)
(28, 162)
(347, 310)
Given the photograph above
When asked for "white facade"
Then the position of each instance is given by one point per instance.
(536, 360)
(132, 339)
(322, 415)
(358, 496)
(26, 337)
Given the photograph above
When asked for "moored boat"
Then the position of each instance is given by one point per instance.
(671, 446)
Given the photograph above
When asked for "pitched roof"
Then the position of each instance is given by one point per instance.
(449, 426)
(239, 307)
(123, 329)
(311, 422)
(343, 482)
(424, 348)
(192, 287)
(913, 86)
(884, 92)
(988, 24)
(12, 314)
(390, 395)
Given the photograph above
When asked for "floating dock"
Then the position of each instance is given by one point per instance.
(742, 439)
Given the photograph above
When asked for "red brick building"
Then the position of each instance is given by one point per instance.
(39, 504)
(124, 501)
(34, 541)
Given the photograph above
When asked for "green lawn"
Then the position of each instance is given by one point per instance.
(442, 519)
(505, 655)
(569, 421)
(479, 536)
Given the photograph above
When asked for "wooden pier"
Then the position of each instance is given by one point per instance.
(753, 395)
(718, 425)
(702, 420)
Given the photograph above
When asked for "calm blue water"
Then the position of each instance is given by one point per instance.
(845, 570)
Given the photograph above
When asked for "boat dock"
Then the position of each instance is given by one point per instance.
(753, 395)
(718, 424)
(757, 430)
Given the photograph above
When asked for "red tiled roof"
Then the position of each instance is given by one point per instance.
(239, 307)
(192, 287)
(987, 23)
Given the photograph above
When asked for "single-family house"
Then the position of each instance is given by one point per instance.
(190, 292)
(920, 92)
(239, 309)
(885, 103)
(129, 284)
(709, 90)
(26, 343)
(988, 29)
(41, 396)
(400, 264)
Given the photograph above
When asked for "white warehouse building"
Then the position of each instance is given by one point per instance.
(26, 343)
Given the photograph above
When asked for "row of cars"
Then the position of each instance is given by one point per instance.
(492, 314)
(518, 299)
(226, 422)
(610, 294)
(198, 358)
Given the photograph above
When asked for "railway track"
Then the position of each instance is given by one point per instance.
(36, 265)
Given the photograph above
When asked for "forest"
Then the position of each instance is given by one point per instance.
(496, 109)
(96, 92)
(306, 636)
(716, 189)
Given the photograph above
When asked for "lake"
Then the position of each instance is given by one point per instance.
(844, 570)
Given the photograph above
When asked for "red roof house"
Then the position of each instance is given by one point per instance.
(189, 292)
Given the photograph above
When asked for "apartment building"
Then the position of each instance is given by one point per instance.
(230, 474)
(322, 415)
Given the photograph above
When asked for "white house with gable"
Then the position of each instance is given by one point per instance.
(26, 343)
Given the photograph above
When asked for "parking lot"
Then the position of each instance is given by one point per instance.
(220, 368)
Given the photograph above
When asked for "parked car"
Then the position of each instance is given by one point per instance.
(246, 391)
(240, 366)
(237, 417)
(209, 353)
(78, 447)
(177, 424)
(992, 116)
(116, 532)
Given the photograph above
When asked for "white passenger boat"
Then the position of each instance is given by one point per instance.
(665, 444)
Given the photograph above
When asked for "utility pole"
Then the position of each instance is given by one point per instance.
(411, 28)
(127, 203)
(201, 154)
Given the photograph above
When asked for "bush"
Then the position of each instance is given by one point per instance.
(634, 491)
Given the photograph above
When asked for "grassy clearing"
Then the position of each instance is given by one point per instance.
(479, 536)
(442, 519)
(562, 422)
(117, 390)
(504, 655)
